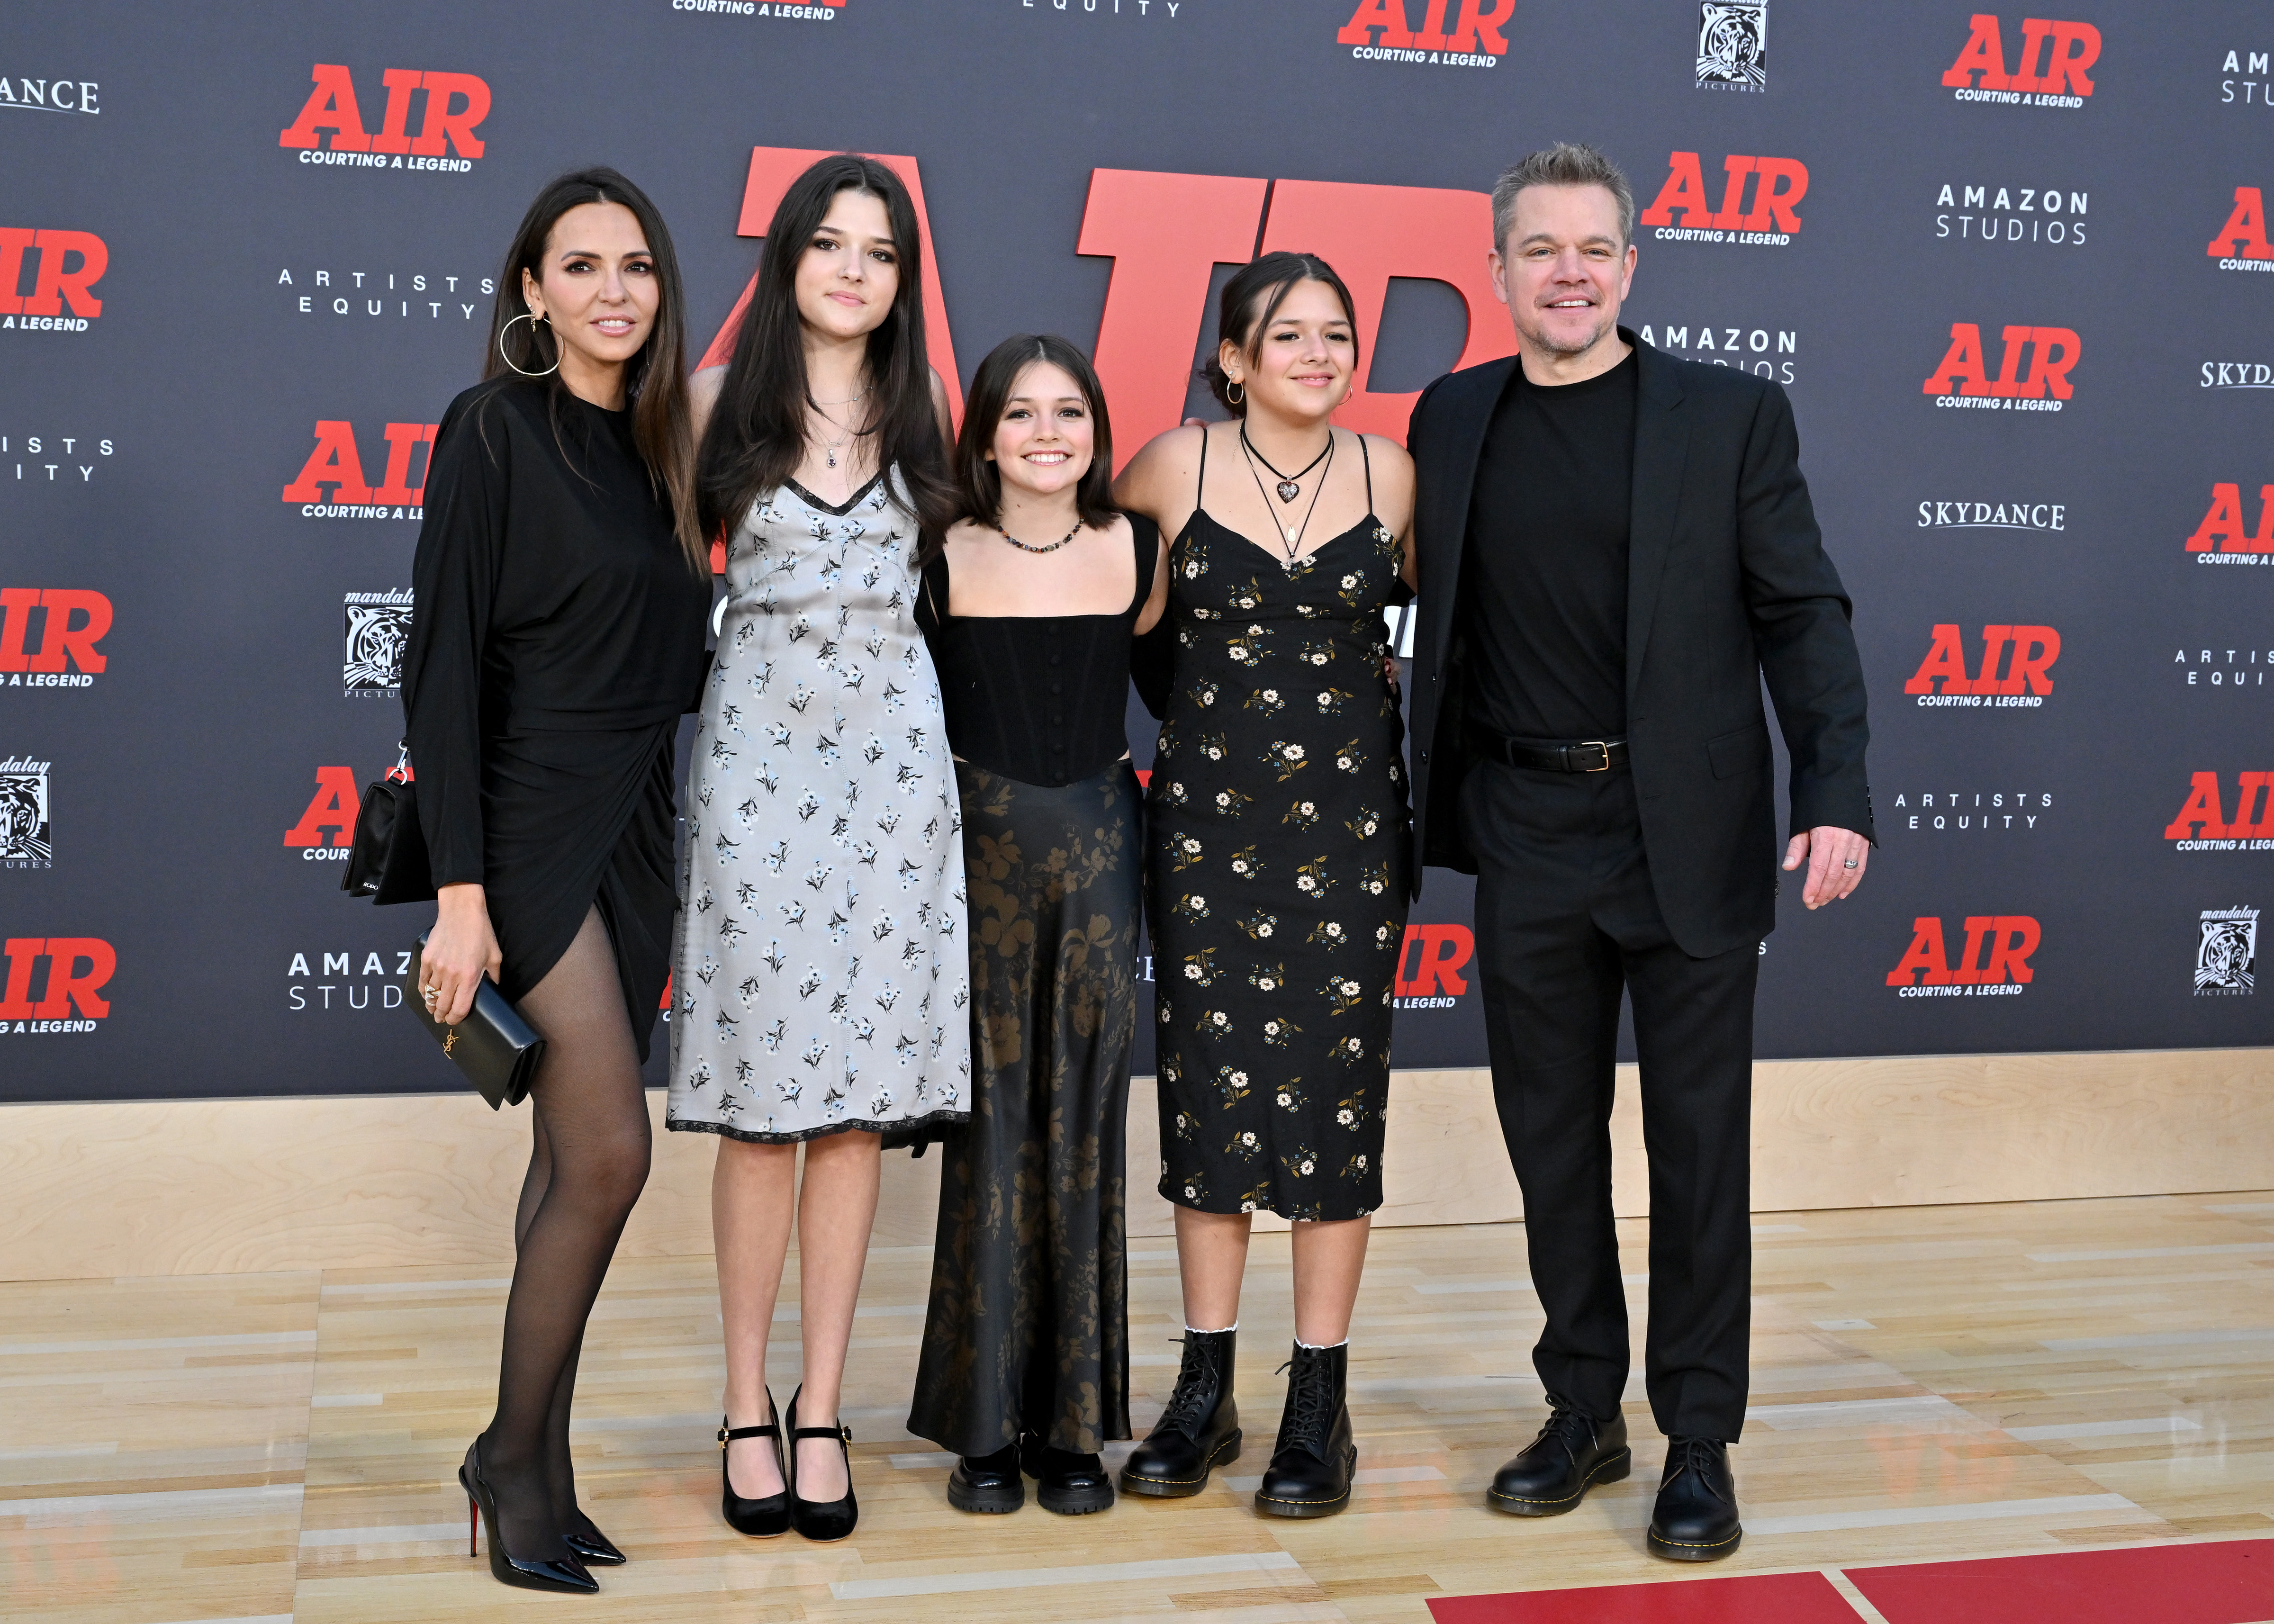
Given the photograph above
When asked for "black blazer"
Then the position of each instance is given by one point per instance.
(1727, 585)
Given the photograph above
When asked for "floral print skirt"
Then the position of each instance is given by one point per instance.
(1027, 1326)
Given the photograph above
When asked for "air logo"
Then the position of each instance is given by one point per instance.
(330, 127)
(54, 984)
(2221, 538)
(65, 266)
(332, 807)
(70, 622)
(337, 463)
(1435, 954)
(1776, 186)
(26, 835)
(1379, 31)
(2226, 952)
(1963, 378)
(2027, 651)
(1993, 962)
(2050, 70)
(2202, 824)
(378, 631)
(2241, 245)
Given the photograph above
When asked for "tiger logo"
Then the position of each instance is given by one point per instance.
(24, 833)
(377, 635)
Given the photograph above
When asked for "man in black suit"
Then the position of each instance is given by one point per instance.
(1615, 549)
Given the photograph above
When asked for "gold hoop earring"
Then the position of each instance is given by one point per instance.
(532, 319)
(1230, 399)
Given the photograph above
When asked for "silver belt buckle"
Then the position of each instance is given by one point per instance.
(1596, 744)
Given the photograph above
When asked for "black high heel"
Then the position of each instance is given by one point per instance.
(505, 1567)
(595, 1547)
(761, 1519)
(825, 1519)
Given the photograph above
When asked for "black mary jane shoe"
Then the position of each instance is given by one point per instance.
(989, 1485)
(769, 1516)
(1072, 1486)
(821, 1521)
(1573, 1453)
(1198, 1431)
(594, 1549)
(564, 1574)
(1317, 1455)
(1696, 1517)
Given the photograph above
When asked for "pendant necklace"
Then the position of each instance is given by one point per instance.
(829, 447)
(1293, 544)
(1290, 486)
(1023, 548)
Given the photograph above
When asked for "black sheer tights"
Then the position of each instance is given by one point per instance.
(589, 1161)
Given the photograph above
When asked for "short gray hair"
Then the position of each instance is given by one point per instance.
(1567, 163)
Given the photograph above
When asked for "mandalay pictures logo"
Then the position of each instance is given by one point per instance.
(65, 265)
(1997, 215)
(1961, 377)
(26, 832)
(2221, 538)
(1775, 186)
(377, 632)
(2048, 72)
(2241, 245)
(337, 464)
(1732, 45)
(1993, 962)
(54, 985)
(2203, 825)
(2226, 952)
(2026, 654)
(1380, 31)
(69, 622)
(329, 130)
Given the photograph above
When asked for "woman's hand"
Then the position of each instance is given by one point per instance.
(460, 951)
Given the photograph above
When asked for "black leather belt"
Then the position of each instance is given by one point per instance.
(1549, 754)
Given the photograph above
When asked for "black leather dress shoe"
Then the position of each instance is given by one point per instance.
(1198, 1431)
(1317, 1455)
(1696, 1517)
(988, 1483)
(1072, 1486)
(1573, 1453)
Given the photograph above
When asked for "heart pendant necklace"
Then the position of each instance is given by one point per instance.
(1293, 546)
(1290, 486)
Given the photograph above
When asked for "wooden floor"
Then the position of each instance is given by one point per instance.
(1929, 1383)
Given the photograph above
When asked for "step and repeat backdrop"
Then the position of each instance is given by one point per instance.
(2014, 271)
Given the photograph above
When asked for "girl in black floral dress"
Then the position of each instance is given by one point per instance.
(1278, 858)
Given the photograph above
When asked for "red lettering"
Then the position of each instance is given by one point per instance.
(1926, 962)
(2013, 938)
(333, 462)
(2034, 30)
(1783, 183)
(1389, 16)
(1945, 663)
(1370, 234)
(23, 954)
(14, 241)
(1160, 283)
(330, 106)
(334, 806)
(2223, 523)
(1684, 190)
(1479, 22)
(1978, 930)
(1442, 950)
(456, 125)
(62, 639)
(1732, 211)
(402, 438)
(66, 982)
(60, 281)
(2076, 46)
(1994, 639)
(2014, 341)
(1961, 364)
(2253, 804)
(2035, 647)
(1432, 35)
(16, 605)
(400, 83)
(1984, 53)
(2243, 237)
(2056, 350)
(2202, 807)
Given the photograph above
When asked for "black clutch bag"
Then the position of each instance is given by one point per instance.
(387, 856)
(497, 1049)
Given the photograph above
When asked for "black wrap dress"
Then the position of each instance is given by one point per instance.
(556, 639)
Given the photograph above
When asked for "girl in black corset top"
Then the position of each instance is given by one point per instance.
(1030, 605)
(1278, 852)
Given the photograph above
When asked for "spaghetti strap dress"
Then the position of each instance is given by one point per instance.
(556, 639)
(1278, 855)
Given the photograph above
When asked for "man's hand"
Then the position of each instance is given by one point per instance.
(1836, 860)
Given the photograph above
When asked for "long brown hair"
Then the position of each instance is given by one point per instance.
(655, 381)
(757, 436)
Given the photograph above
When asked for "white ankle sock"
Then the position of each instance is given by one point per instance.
(1320, 1347)
(1195, 1330)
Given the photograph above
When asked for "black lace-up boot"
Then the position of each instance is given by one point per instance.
(1311, 1466)
(1198, 1431)
(1696, 1517)
(1573, 1453)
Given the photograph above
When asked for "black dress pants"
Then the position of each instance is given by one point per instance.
(1565, 920)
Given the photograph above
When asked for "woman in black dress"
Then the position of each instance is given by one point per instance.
(1278, 853)
(1029, 604)
(561, 590)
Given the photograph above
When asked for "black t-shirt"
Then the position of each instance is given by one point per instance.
(1544, 588)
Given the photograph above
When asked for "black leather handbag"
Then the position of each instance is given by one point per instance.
(497, 1049)
(387, 855)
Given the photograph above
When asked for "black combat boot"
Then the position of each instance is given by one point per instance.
(1696, 1517)
(1573, 1453)
(1311, 1466)
(1198, 1431)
